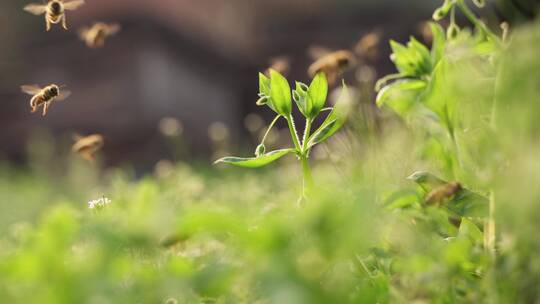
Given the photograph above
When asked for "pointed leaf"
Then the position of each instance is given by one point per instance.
(301, 98)
(265, 92)
(438, 44)
(264, 84)
(318, 91)
(334, 121)
(255, 162)
(398, 86)
(469, 230)
(280, 93)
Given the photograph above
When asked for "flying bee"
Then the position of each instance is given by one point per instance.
(95, 35)
(87, 146)
(54, 10)
(332, 64)
(281, 64)
(443, 193)
(44, 96)
(368, 46)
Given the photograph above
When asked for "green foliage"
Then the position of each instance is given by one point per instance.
(368, 234)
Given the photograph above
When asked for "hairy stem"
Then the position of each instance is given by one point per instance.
(294, 134)
(307, 132)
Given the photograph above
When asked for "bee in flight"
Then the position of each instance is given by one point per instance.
(332, 64)
(44, 96)
(54, 10)
(88, 146)
(367, 47)
(281, 64)
(95, 35)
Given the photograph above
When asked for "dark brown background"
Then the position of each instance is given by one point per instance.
(193, 60)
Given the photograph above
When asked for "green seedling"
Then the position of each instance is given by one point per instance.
(275, 92)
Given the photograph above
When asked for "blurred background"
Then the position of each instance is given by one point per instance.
(180, 79)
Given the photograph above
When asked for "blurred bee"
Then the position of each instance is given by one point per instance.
(54, 10)
(317, 51)
(443, 193)
(281, 64)
(332, 64)
(368, 46)
(87, 146)
(44, 96)
(95, 35)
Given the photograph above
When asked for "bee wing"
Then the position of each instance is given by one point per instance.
(113, 28)
(31, 89)
(63, 95)
(316, 52)
(36, 9)
(83, 32)
(317, 66)
(71, 5)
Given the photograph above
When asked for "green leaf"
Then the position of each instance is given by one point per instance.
(438, 95)
(401, 95)
(470, 204)
(255, 162)
(264, 84)
(318, 91)
(280, 93)
(334, 121)
(326, 130)
(264, 91)
(301, 97)
(413, 60)
(469, 229)
(438, 44)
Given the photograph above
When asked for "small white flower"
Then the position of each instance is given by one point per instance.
(99, 203)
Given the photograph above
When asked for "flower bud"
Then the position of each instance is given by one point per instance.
(479, 3)
(452, 32)
(442, 11)
(260, 150)
(262, 100)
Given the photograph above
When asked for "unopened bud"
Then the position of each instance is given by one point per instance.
(260, 150)
(479, 3)
(452, 31)
(439, 14)
(262, 100)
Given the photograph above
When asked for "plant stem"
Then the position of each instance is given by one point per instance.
(270, 128)
(307, 177)
(294, 134)
(489, 229)
(474, 20)
(307, 132)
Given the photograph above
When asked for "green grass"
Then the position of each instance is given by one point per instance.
(366, 233)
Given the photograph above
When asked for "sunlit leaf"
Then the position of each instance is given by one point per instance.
(318, 90)
(334, 121)
(401, 95)
(438, 44)
(255, 162)
(280, 93)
